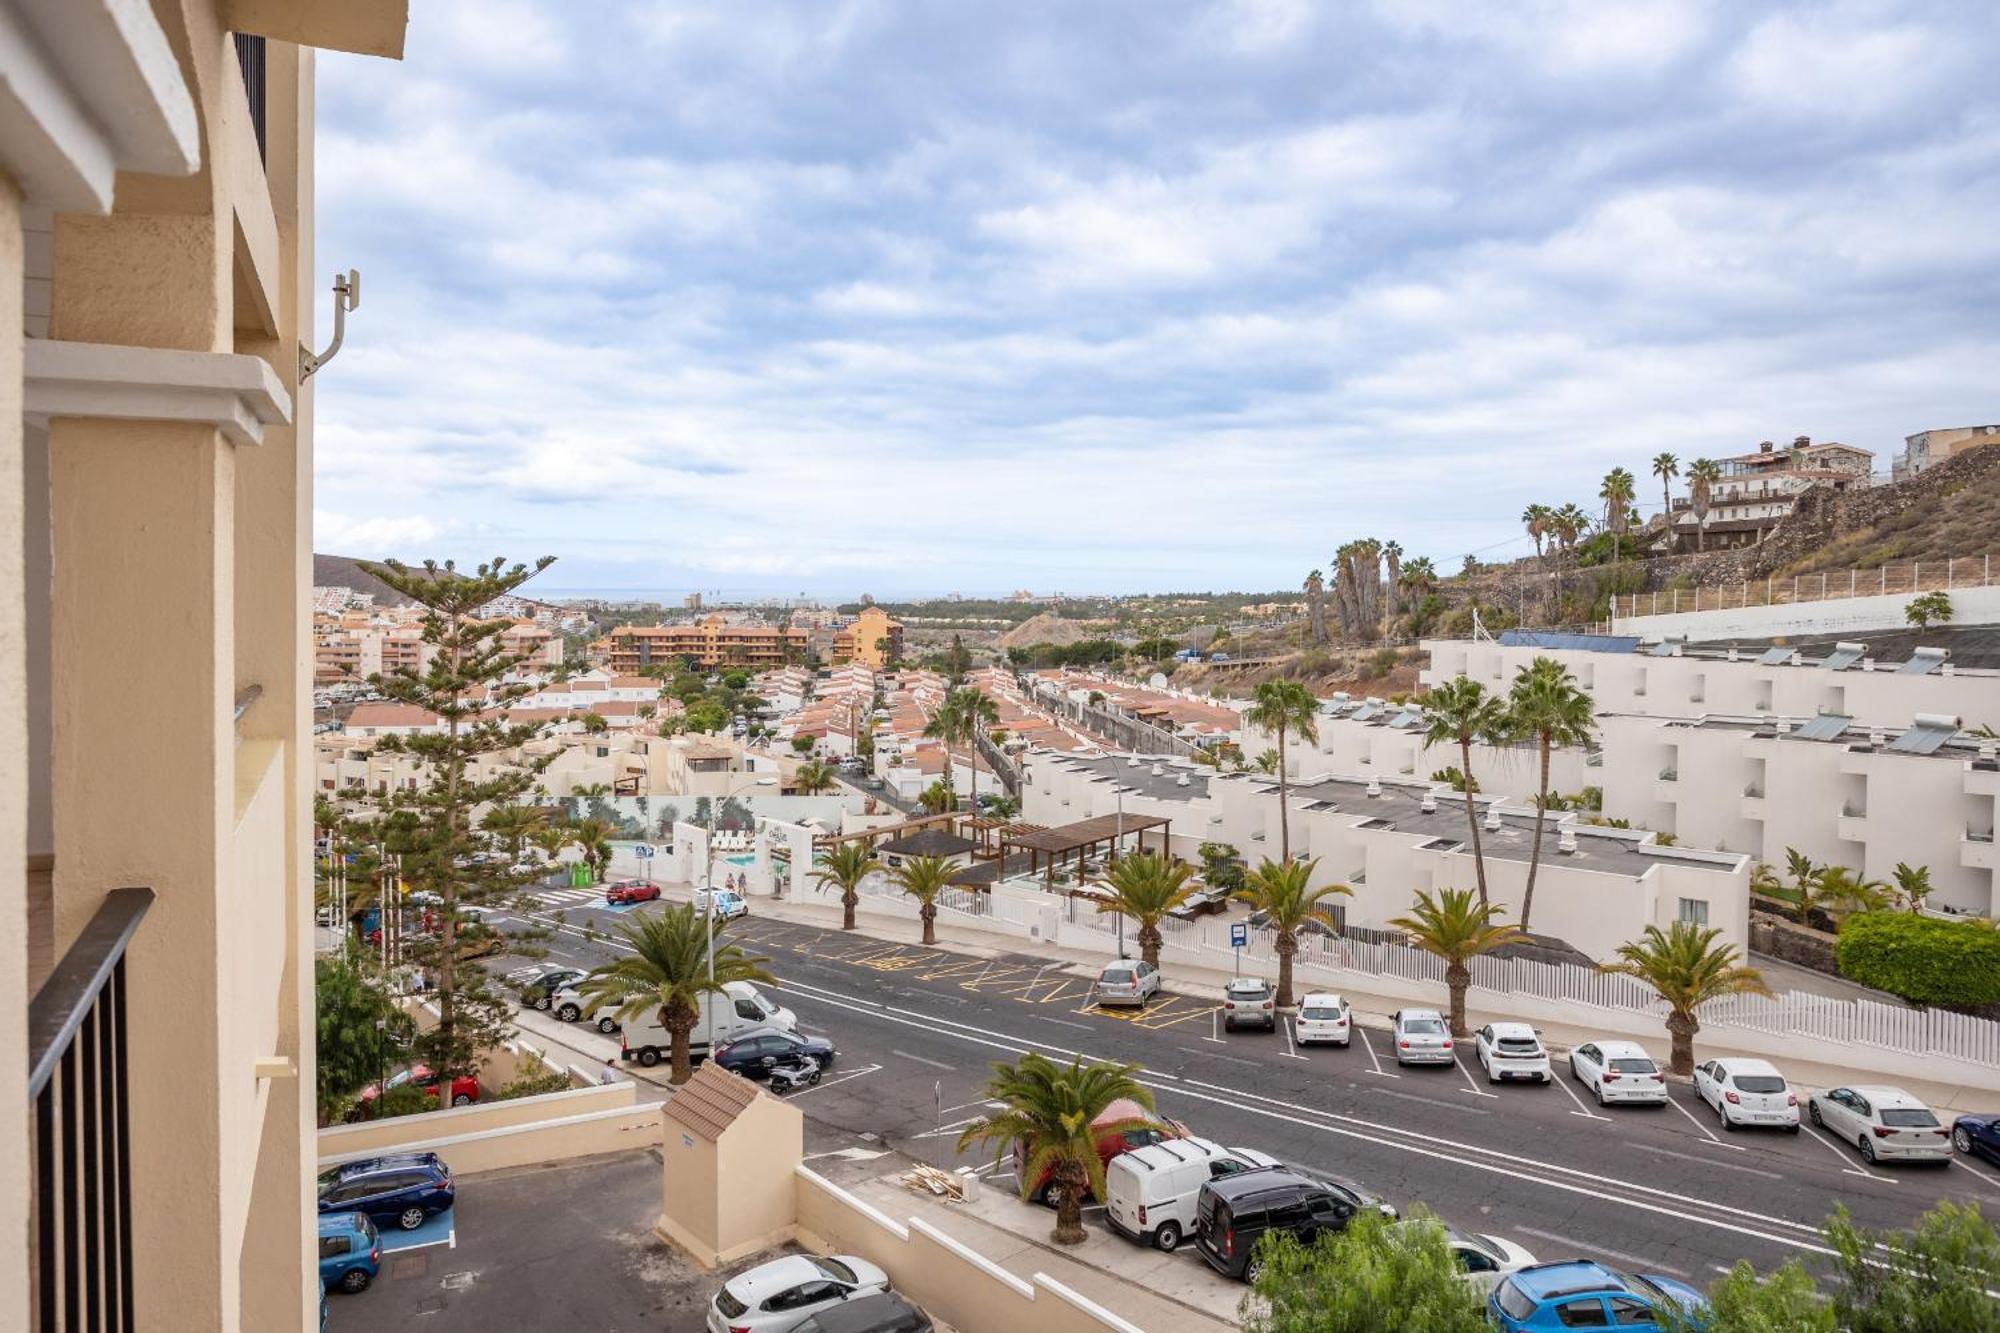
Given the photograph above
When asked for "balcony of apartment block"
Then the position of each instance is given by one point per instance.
(1982, 777)
(1852, 826)
(1976, 850)
(1753, 801)
(1667, 786)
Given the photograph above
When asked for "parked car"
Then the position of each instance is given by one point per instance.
(1421, 1037)
(756, 1053)
(403, 1188)
(1882, 1123)
(630, 891)
(1233, 1214)
(1484, 1260)
(779, 1296)
(1747, 1092)
(1511, 1050)
(476, 939)
(1583, 1294)
(740, 1009)
(464, 1087)
(1977, 1135)
(570, 1004)
(1249, 1000)
(350, 1251)
(1126, 981)
(1110, 1143)
(1150, 1193)
(538, 991)
(1618, 1071)
(1324, 1016)
(729, 904)
(1312, 925)
(884, 1312)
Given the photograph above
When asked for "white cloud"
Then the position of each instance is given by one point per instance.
(386, 534)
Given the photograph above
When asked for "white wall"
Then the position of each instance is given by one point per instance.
(1845, 615)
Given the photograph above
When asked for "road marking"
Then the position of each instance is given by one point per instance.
(1961, 1162)
(1456, 1108)
(1234, 1060)
(824, 1084)
(1472, 1086)
(1215, 1030)
(1589, 1247)
(1707, 1161)
(1581, 1109)
(1705, 1131)
(1845, 1169)
(1373, 1058)
(951, 1128)
(1291, 1046)
(1064, 1022)
(934, 1064)
(1156, 1019)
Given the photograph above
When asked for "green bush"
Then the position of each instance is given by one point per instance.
(1922, 959)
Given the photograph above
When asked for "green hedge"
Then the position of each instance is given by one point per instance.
(1922, 959)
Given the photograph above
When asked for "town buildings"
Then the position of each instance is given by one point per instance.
(871, 638)
(158, 282)
(1758, 489)
(712, 641)
(1928, 448)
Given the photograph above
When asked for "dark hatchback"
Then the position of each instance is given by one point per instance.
(400, 1190)
(1234, 1212)
(755, 1054)
(884, 1312)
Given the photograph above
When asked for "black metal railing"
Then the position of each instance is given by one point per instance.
(250, 58)
(77, 1086)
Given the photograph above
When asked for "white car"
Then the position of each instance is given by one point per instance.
(1882, 1123)
(569, 1005)
(779, 1296)
(1323, 1016)
(1249, 1000)
(729, 904)
(1747, 1092)
(1422, 1038)
(1484, 1260)
(1511, 1050)
(1126, 981)
(1619, 1071)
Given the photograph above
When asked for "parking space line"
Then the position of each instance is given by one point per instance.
(1586, 1248)
(1845, 1169)
(1373, 1059)
(1215, 1029)
(1961, 1162)
(1581, 1109)
(1190, 1009)
(1472, 1085)
(1291, 1046)
(1705, 1131)
(824, 1084)
(1706, 1161)
(922, 1060)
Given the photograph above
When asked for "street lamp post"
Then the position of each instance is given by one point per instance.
(708, 868)
(1118, 847)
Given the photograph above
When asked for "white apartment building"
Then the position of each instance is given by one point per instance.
(1389, 840)
(1757, 489)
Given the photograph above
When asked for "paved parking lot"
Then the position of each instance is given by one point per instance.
(540, 1248)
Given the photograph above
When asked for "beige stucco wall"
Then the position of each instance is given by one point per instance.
(14, 1155)
(620, 1129)
(724, 1199)
(690, 1215)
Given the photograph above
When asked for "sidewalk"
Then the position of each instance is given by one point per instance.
(1203, 982)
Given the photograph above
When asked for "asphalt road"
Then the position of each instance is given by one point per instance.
(1662, 1188)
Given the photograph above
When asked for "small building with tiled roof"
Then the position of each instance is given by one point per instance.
(729, 1151)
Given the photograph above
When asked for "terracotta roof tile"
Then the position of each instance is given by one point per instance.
(709, 1103)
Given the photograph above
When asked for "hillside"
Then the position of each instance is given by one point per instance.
(1046, 628)
(344, 571)
(1951, 511)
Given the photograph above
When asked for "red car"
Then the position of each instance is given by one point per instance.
(1110, 1141)
(630, 891)
(464, 1088)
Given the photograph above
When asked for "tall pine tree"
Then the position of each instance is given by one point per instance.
(444, 851)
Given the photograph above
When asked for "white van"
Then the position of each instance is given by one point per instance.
(741, 1008)
(1150, 1193)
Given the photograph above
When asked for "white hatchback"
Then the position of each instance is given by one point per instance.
(1882, 1123)
(1747, 1092)
(1511, 1050)
(1323, 1016)
(779, 1296)
(1619, 1071)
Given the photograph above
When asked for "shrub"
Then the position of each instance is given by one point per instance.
(1922, 959)
(534, 1078)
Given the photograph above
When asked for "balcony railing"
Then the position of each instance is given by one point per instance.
(1755, 790)
(1670, 775)
(250, 59)
(1853, 809)
(1978, 834)
(82, 1233)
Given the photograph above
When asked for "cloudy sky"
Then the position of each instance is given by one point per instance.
(1125, 294)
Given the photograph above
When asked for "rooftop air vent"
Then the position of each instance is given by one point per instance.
(1181, 781)
(1133, 762)
(1430, 802)
(1566, 842)
(1374, 786)
(1877, 737)
(1157, 770)
(1493, 818)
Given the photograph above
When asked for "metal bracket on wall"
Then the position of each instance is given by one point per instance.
(346, 297)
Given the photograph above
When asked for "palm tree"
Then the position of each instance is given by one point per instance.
(844, 868)
(977, 712)
(812, 778)
(1316, 608)
(1004, 807)
(1267, 762)
(948, 727)
(1282, 708)
(1546, 704)
(1052, 1113)
(667, 973)
(512, 824)
(1460, 712)
(594, 837)
(1280, 890)
(1456, 929)
(1703, 473)
(938, 798)
(1536, 519)
(1146, 886)
(1571, 525)
(1805, 877)
(1618, 492)
(1838, 890)
(1666, 467)
(552, 838)
(923, 878)
(1913, 883)
(1686, 966)
(1419, 578)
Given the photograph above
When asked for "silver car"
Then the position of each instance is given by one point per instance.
(1422, 1038)
(1127, 981)
(1882, 1123)
(1249, 1000)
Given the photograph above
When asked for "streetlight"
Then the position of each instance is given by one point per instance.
(1117, 846)
(708, 869)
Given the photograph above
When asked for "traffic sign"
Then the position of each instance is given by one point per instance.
(1239, 935)
(644, 851)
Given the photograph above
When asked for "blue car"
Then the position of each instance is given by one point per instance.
(350, 1252)
(405, 1188)
(1582, 1294)
(1977, 1135)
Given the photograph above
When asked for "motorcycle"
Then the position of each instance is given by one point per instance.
(791, 1078)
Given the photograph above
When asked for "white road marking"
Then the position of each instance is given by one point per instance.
(824, 1084)
(951, 1128)
(1215, 1029)
(1845, 1169)
(1586, 1248)
(934, 1064)
(1472, 1085)
(1291, 1046)
(1581, 1109)
(1064, 1022)
(1707, 1161)
(1706, 1132)
(1961, 1162)
(1373, 1059)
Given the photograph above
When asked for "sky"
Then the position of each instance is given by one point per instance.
(846, 296)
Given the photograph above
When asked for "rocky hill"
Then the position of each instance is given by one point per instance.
(1047, 628)
(344, 571)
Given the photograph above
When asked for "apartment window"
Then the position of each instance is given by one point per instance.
(1694, 911)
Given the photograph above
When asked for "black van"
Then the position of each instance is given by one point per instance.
(1234, 1212)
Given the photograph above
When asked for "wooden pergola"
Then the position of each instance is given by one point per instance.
(1048, 848)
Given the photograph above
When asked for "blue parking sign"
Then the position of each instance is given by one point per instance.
(1239, 935)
